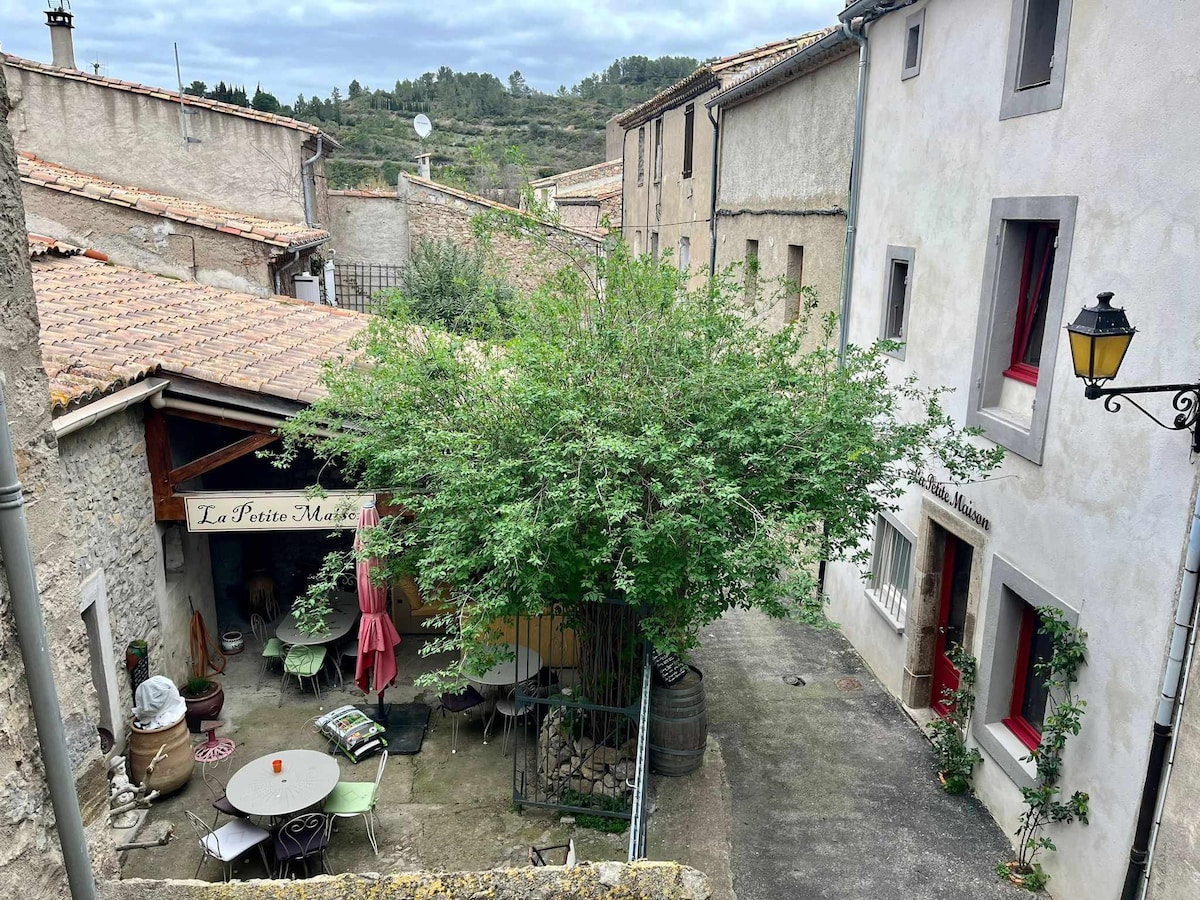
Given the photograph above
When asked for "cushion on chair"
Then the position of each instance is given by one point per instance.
(222, 805)
(350, 798)
(304, 661)
(461, 702)
(230, 841)
(300, 844)
(273, 648)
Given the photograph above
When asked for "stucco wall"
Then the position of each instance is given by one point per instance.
(368, 229)
(598, 881)
(936, 154)
(128, 138)
(150, 243)
(30, 857)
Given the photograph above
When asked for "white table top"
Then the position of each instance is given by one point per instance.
(308, 777)
(337, 625)
(523, 667)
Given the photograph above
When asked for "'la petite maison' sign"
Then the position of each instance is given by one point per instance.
(273, 511)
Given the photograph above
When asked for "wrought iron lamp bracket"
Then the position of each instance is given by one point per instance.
(1186, 404)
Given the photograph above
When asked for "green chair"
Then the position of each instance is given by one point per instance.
(272, 647)
(358, 798)
(303, 662)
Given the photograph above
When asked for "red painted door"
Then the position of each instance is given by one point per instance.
(952, 616)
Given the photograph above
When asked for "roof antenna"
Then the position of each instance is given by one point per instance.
(184, 112)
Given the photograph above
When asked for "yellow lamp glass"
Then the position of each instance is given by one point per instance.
(1098, 357)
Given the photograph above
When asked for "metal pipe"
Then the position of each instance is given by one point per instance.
(107, 406)
(1164, 715)
(35, 656)
(712, 200)
(158, 401)
(308, 178)
(855, 179)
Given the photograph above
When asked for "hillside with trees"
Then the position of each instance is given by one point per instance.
(477, 119)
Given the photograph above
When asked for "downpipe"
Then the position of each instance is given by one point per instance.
(859, 37)
(35, 656)
(308, 178)
(712, 198)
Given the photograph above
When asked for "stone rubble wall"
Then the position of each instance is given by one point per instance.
(597, 881)
(580, 764)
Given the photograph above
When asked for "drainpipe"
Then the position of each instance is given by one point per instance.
(35, 655)
(859, 37)
(1169, 702)
(309, 178)
(712, 200)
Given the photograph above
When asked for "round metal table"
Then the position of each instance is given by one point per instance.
(524, 665)
(307, 778)
(337, 625)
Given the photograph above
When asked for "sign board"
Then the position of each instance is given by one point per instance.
(272, 510)
(956, 500)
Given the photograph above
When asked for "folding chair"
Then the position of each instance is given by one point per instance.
(537, 855)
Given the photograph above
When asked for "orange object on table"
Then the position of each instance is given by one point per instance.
(277, 765)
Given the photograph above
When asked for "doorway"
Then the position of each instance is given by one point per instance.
(955, 583)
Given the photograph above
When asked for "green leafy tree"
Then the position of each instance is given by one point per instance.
(264, 102)
(641, 443)
(516, 84)
(196, 89)
(355, 90)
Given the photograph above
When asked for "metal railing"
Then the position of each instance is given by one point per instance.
(357, 285)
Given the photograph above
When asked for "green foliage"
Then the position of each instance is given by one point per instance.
(197, 686)
(453, 288)
(948, 734)
(607, 824)
(645, 443)
(226, 93)
(264, 102)
(1064, 718)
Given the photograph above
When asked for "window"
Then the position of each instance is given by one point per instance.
(795, 283)
(654, 245)
(891, 572)
(658, 150)
(689, 128)
(1020, 311)
(914, 36)
(641, 168)
(898, 290)
(685, 253)
(1037, 54)
(1027, 708)
(752, 266)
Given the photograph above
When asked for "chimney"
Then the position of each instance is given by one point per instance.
(423, 167)
(61, 44)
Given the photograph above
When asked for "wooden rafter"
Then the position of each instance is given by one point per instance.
(217, 458)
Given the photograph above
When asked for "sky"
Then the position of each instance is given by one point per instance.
(297, 46)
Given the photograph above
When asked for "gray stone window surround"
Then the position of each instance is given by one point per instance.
(1009, 590)
(872, 594)
(997, 315)
(915, 21)
(1045, 97)
(906, 255)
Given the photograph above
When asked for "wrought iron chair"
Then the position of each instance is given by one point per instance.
(537, 855)
(228, 842)
(510, 710)
(216, 787)
(357, 798)
(303, 662)
(462, 702)
(299, 839)
(272, 647)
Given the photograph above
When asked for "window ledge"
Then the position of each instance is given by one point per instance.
(1007, 750)
(877, 605)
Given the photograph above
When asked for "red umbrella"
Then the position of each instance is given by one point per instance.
(377, 636)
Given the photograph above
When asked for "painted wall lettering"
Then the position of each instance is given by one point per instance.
(955, 500)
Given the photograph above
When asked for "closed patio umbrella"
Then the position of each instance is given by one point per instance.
(377, 636)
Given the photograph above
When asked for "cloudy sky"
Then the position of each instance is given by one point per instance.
(308, 47)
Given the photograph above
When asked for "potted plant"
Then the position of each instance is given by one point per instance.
(204, 698)
(948, 734)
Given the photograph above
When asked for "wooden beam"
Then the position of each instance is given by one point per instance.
(217, 458)
(167, 506)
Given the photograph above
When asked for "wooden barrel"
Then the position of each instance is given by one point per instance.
(171, 773)
(678, 725)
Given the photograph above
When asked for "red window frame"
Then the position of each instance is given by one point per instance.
(1027, 300)
(1027, 732)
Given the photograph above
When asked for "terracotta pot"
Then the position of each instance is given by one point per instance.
(174, 771)
(207, 706)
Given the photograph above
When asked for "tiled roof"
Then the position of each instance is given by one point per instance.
(132, 87)
(720, 73)
(105, 326)
(595, 192)
(830, 44)
(609, 168)
(372, 192)
(286, 235)
(39, 245)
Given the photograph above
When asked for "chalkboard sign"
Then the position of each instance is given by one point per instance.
(669, 667)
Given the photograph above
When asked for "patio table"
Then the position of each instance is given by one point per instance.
(524, 665)
(337, 625)
(307, 778)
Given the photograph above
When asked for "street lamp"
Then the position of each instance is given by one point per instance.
(1099, 337)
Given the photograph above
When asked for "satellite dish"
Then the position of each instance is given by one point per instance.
(422, 125)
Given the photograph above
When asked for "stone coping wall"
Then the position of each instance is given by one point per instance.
(595, 881)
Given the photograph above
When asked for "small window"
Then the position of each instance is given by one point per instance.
(891, 572)
(689, 128)
(752, 266)
(1027, 709)
(897, 294)
(1035, 71)
(914, 36)
(658, 150)
(795, 283)
(654, 245)
(685, 253)
(1037, 43)
(1033, 296)
(641, 168)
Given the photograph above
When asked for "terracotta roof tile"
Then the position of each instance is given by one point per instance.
(51, 176)
(133, 87)
(105, 326)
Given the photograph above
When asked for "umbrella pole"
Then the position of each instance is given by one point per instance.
(381, 714)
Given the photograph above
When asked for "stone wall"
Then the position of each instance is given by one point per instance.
(369, 227)
(598, 881)
(30, 858)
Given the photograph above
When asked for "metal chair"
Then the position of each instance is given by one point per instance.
(216, 787)
(228, 842)
(537, 855)
(462, 702)
(344, 651)
(357, 798)
(303, 662)
(272, 647)
(511, 711)
(300, 839)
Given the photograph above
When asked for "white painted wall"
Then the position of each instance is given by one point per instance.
(1101, 524)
